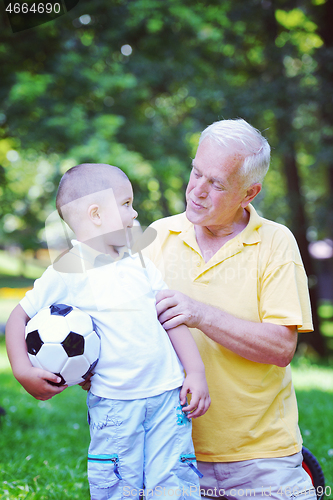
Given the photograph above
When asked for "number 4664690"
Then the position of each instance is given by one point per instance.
(35, 8)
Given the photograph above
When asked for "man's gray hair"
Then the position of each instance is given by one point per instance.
(240, 137)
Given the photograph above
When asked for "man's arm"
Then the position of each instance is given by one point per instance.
(34, 380)
(260, 342)
(195, 382)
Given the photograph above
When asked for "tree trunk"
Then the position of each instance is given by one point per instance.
(299, 228)
(286, 105)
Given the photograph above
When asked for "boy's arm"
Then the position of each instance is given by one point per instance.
(188, 353)
(195, 382)
(34, 380)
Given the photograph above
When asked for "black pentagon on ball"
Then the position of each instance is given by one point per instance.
(60, 309)
(73, 344)
(34, 342)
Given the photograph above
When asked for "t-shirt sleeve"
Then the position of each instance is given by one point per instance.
(284, 297)
(154, 251)
(155, 276)
(49, 289)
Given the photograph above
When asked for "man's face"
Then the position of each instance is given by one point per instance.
(215, 192)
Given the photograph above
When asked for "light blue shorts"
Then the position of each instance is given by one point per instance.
(143, 443)
(272, 478)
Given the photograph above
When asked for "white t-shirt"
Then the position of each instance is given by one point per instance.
(137, 358)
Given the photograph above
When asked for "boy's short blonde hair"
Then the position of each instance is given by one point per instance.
(83, 180)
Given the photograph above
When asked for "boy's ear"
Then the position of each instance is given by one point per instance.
(94, 214)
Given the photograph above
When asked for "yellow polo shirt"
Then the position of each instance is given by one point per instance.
(257, 276)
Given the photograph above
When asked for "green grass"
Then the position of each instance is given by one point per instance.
(314, 389)
(44, 444)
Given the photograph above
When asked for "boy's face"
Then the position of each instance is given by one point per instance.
(124, 199)
(121, 203)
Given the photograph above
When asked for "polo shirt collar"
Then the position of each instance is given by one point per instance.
(187, 234)
(185, 228)
(249, 236)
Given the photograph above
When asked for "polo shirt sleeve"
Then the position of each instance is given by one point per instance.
(284, 295)
(49, 289)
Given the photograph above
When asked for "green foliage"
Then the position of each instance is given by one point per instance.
(135, 83)
(326, 310)
(132, 83)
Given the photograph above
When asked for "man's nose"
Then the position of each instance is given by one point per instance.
(201, 188)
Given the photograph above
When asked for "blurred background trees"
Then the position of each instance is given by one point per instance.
(134, 82)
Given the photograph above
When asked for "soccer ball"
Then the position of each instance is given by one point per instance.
(62, 339)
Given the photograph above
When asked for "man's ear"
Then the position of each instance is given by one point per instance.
(251, 193)
(94, 214)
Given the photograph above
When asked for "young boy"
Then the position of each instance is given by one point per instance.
(140, 434)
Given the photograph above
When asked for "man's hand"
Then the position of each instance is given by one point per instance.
(174, 308)
(35, 382)
(87, 383)
(195, 384)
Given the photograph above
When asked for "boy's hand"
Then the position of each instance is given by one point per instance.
(195, 383)
(35, 382)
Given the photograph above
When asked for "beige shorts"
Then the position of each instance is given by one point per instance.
(266, 478)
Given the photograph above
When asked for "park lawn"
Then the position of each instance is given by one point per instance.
(44, 444)
(314, 390)
(28, 267)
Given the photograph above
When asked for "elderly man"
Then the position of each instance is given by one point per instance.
(238, 282)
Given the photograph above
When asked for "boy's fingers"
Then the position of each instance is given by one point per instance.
(52, 380)
(200, 410)
(55, 379)
(206, 405)
(196, 409)
(49, 376)
(189, 408)
(193, 403)
(182, 395)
